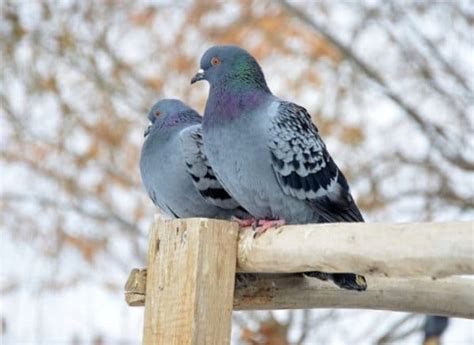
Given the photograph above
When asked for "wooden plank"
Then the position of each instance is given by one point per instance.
(190, 282)
(452, 296)
(395, 250)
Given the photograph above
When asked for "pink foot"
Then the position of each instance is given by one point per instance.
(264, 225)
(245, 222)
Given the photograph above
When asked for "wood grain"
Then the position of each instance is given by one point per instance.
(452, 296)
(390, 250)
(190, 282)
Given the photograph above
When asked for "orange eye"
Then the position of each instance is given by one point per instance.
(215, 61)
(157, 113)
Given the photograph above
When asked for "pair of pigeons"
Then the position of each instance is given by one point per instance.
(253, 157)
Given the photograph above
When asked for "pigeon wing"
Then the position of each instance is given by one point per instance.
(204, 178)
(304, 168)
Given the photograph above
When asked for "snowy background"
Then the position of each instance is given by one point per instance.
(390, 85)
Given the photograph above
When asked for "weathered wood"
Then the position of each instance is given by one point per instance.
(190, 282)
(395, 250)
(192, 265)
(135, 287)
(447, 296)
(452, 296)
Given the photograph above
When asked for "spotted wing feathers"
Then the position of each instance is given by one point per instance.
(201, 172)
(304, 168)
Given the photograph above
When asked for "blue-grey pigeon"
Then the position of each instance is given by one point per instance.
(267, 152)
(174, 169)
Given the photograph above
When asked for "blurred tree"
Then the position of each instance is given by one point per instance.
(390, 86)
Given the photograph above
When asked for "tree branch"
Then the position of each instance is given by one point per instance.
(435, 133)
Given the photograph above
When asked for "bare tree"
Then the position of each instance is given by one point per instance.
(390, 86)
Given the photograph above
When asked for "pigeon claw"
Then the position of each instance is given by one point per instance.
(265, 224)
(245, 222)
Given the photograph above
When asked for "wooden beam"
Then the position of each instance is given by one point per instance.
(187, 262)
(391, 250)
(190, 282)
(447, 296)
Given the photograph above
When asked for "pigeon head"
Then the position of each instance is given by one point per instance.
(169, 113)
(231, 66)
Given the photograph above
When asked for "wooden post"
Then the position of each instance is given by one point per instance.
(190, 282)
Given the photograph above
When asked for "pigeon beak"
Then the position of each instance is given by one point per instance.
(199, 76)
(147, 131)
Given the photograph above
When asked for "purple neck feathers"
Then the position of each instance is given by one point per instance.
(225, 104)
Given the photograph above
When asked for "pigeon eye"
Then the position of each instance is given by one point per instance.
(215, 61)
(157, 113)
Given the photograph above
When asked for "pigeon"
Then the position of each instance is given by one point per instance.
(174, 169)
(268, 153)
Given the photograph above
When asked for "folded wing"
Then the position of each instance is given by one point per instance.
(304, 168)
(203, 176)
